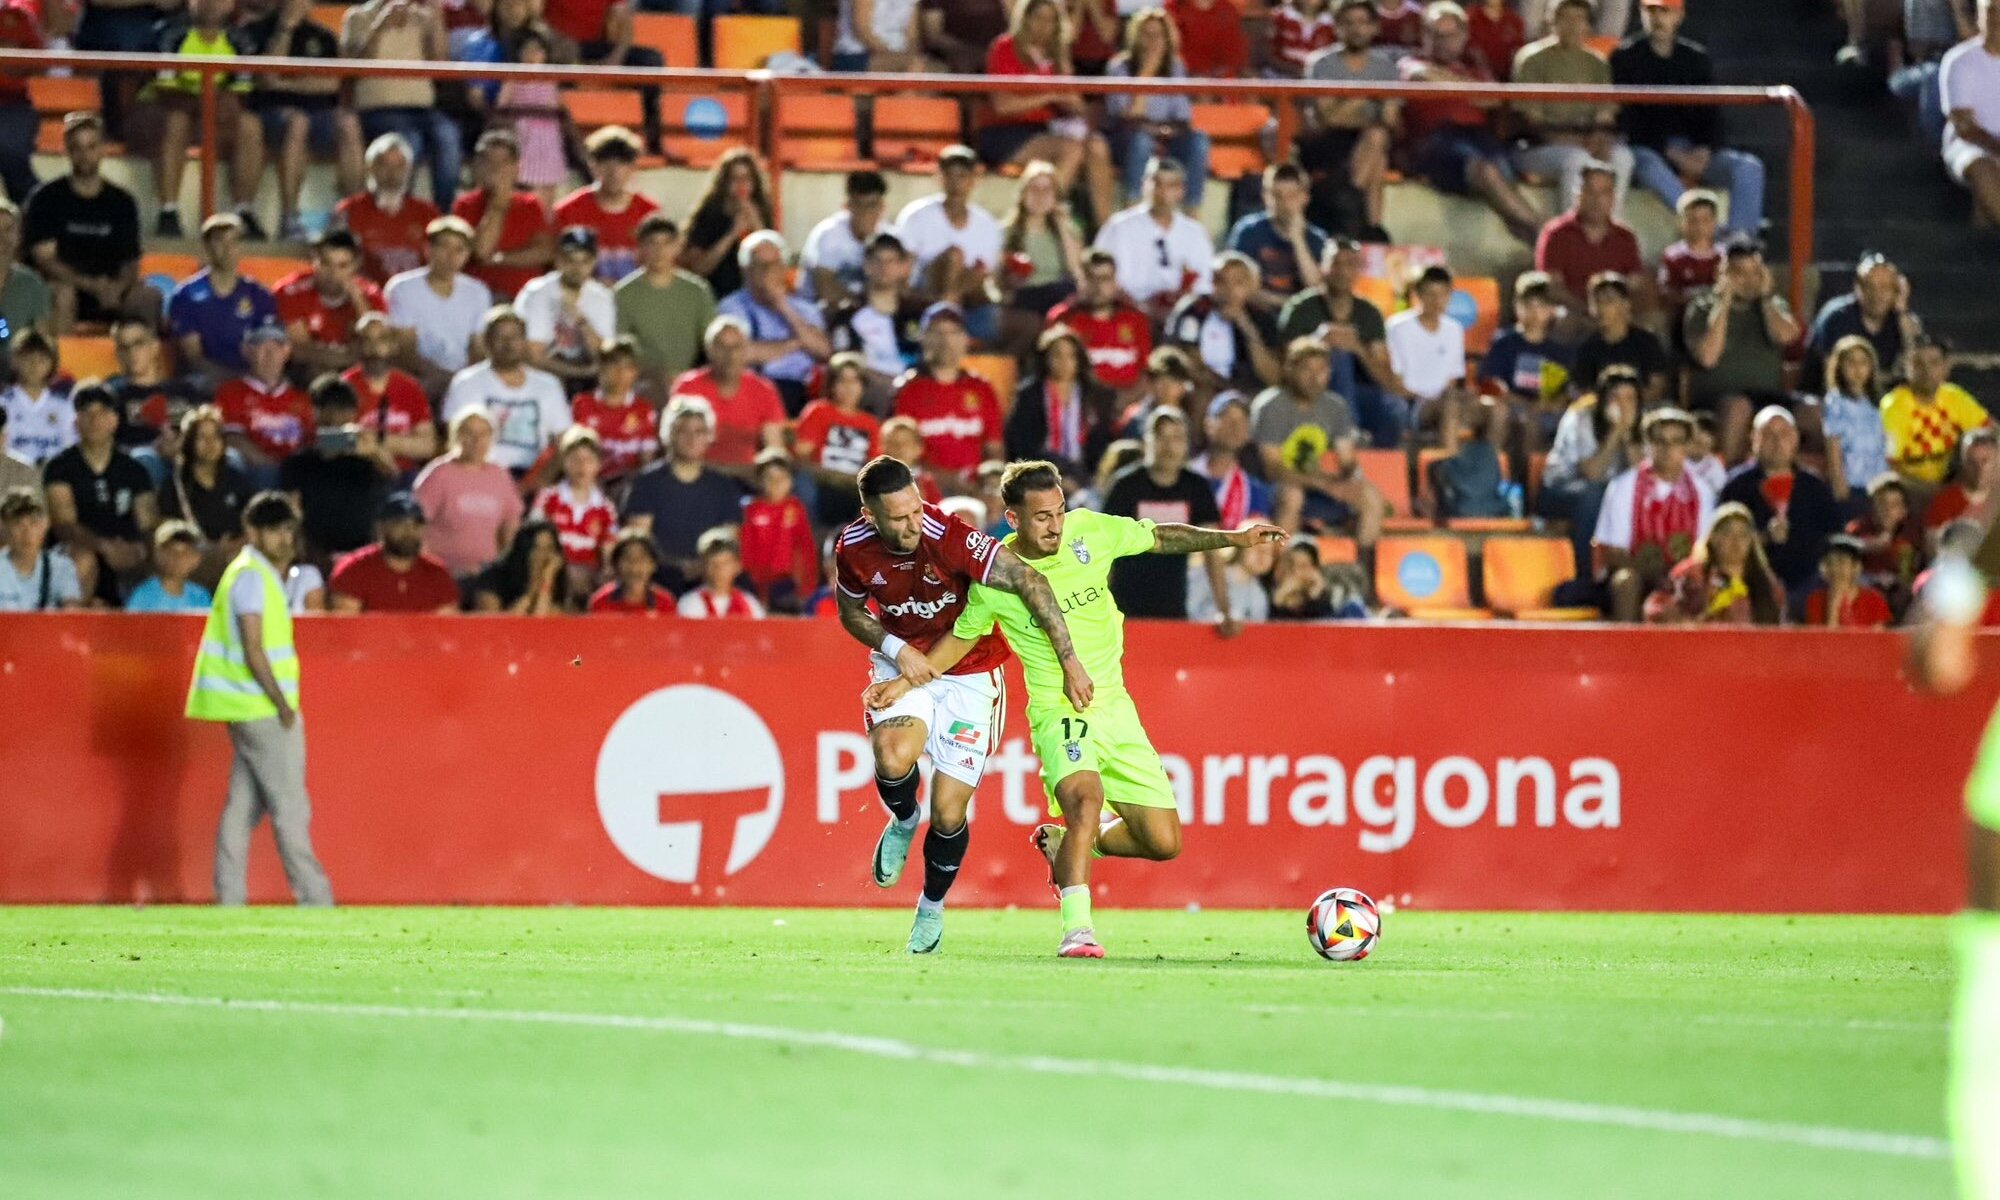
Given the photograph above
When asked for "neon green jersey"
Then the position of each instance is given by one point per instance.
(1080, 575)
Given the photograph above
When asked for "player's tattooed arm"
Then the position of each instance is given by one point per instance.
(859, 622)
(1172, 538)
(1010, 574)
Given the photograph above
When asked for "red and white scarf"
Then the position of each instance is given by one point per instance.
(1065, 422)
(1233, 498)
(1657, 519)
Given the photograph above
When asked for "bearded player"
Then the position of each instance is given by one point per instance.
(918, 566)
(1096, 755)
(1942, 658)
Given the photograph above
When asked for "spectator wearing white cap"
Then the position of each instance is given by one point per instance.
(570, 313)
(437, 309)
(1794, 509)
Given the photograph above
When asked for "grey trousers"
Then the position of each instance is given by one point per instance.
(268, 776)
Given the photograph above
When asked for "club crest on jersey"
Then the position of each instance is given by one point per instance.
(1081, 551)
(1074, 751)
(932, 579)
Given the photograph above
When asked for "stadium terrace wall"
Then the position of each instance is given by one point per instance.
(632, 761)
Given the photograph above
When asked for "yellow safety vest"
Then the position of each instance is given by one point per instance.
(223, 689)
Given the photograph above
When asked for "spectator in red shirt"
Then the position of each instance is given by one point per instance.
(394, 575)
(1052, 126)
(1117, 335)
(721, 567)
(836, 436)
(386, 220)
(749, 415)
(779, 556)
(602, 31)
(1212, 41)
(904, 442)
(1497, 33)
(267, 419)
(512, 242)
(320, 305)
(1453, 144)
(610, 205)
(1580, 244)
(1891, 542)
(585, 519)
(1299, 30)
(392, 402)
(1689, 265)
(626, 426)
(1970, 492)
(1846, 602)
(1725, 581)
(956, 411)
(1401, 22)
(634, 562)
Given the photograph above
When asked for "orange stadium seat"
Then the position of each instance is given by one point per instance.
(1485, 295)
(333, 16)
(268, 271)
(700, 129)
(998, 370)
(160, 265)
(911, 131)
(1236, 138)
(55, 97)
(1389, 471)
(1521, 574)
(672, 34)
(1378, 292)
(594, 108)
(817, 131)
(1336, 550)
(744, 43)
(1426, 577)
(88, 357)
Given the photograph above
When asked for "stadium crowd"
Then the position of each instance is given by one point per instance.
(518, 395)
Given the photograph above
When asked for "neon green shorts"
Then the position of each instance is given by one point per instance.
(1982, 790)
(1109, 740)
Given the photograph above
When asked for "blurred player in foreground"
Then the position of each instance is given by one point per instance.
(1943, 659)
(1095, 754)
(917, 565)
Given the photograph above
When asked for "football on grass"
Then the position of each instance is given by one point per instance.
(1343, 925)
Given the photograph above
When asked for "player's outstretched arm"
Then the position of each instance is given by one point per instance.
(859, 622)
(1172, 538)
(1010, 574)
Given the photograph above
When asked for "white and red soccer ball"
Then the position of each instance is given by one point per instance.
(1343, 925)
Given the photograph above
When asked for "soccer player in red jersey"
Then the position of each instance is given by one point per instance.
(1117, 336)
(954, 409)
(916, 565)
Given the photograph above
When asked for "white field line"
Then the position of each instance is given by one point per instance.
(1817, 1137)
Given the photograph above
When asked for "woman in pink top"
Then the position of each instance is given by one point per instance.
(471, 507)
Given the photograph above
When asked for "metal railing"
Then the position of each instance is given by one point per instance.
(761, 89)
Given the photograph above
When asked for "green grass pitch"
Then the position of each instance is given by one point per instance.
(722, 1053)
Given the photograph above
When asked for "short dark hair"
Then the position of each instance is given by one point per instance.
(1172, 362)
(1284, 172)
(93, 395)
(866, 183)
(882, 475)
(331, 391)
(632, 536)
(336, 239)
(1037, 475)
(885, 240)
(269, 510)
(1340, 10)
(613, 141)
(1743, 245)
(1923, 341)
(34, 341)
(658, 223)
(1097, 255)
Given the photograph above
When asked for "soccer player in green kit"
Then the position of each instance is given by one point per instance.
(1099, 755)
(1942, 658)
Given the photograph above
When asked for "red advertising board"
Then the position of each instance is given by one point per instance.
(660, 761)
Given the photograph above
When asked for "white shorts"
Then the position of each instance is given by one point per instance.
(962, 716)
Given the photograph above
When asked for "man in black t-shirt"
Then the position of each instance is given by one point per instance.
(339, 480)
(1160, 488)
(1617, 342)
(101, 500)
(82, 233)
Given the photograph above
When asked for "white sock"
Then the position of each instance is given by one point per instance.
(927, 907)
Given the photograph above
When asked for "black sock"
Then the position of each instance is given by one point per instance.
(943, 852)
(899, 796)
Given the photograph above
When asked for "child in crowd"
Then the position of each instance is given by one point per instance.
(41, 423)
(537, 113)
(1704, 463)
(778, 552)
(1849, 412)
(1891, 543)
(176, 553)
(584, 518)
(634, 562)
(902, 440)
(627, 428)
(1299, 30)
(1689, 265)
(721, 566)
(1846, 602)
